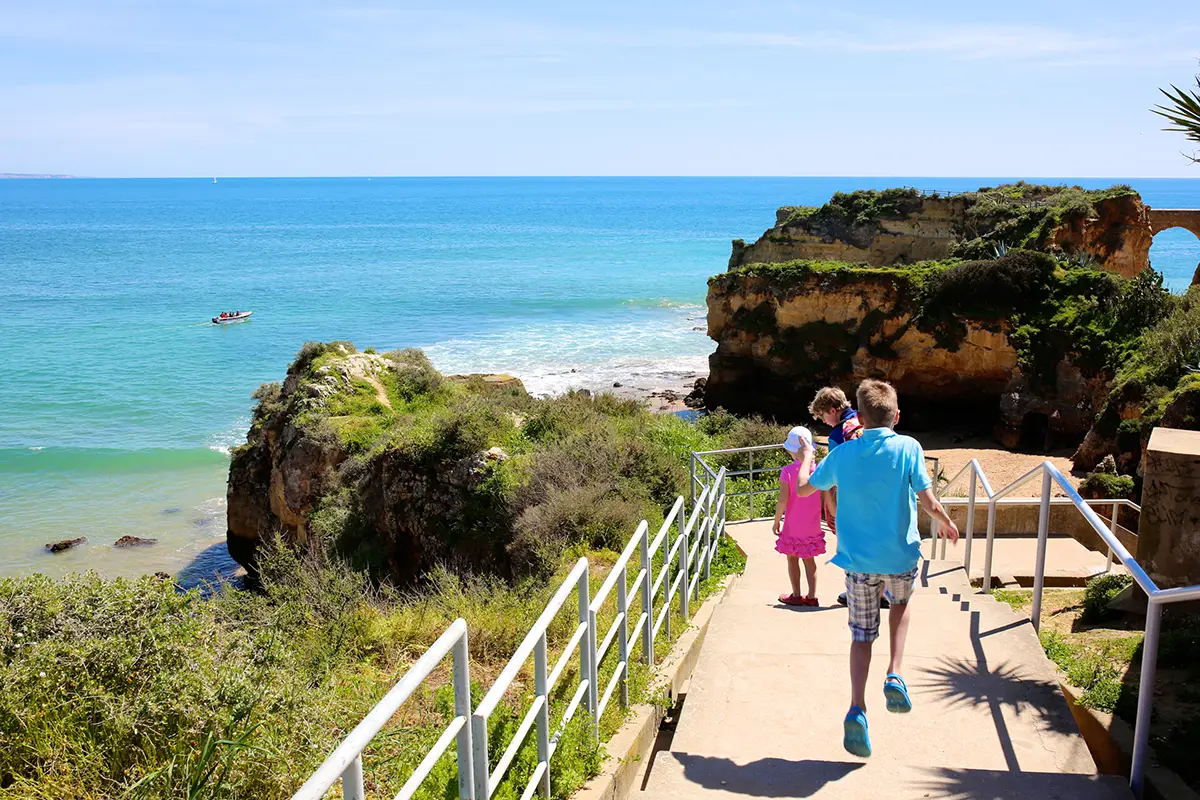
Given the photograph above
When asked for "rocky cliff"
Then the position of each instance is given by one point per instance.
(986, 341)
(903, 226)
(324, 456)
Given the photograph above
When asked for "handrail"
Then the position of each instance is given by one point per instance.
(1156, 597)
(688, 554)
(345, 762)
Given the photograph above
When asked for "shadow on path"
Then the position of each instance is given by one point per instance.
(767, 777)
(987, 784)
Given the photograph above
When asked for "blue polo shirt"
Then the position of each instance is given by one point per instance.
(878, 476)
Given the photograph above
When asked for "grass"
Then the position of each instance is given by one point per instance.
(118, 688)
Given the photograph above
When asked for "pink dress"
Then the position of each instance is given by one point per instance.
(801, 534)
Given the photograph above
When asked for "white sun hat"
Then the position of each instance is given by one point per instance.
(797, 435)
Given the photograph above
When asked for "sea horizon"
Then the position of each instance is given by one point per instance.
(124, 399)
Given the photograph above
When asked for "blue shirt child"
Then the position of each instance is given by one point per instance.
(879, 475)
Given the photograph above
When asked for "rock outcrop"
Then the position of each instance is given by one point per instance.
(401, 513)
(779, 340)
(899, 227)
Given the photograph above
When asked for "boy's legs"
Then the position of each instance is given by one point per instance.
(900, 588)
(862, 595)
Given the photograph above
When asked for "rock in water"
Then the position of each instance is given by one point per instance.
(65, 544)
(133, 541)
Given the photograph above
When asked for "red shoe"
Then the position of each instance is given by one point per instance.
(810, 601)
(792, 600)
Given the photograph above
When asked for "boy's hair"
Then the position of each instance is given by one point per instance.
(877, 404)
(830, 398)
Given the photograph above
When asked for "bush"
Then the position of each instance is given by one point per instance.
(1103, 486)
(1099, 592)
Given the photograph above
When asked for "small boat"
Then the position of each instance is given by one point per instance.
(227, 317)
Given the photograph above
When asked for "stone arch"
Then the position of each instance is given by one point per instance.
(1163, 218)
(1188, 219)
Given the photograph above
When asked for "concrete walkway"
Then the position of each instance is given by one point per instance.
(763, 714)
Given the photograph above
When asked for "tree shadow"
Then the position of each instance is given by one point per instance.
(767, 777)
(989, 784)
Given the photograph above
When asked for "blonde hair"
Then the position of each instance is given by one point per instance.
(830, 398)
(877, 404)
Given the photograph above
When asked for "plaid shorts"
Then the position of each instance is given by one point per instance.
(862, 598)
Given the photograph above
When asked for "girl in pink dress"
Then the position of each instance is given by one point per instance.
(798, 520)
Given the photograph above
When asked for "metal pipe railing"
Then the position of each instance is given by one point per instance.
(690, 556)
(1107, 531)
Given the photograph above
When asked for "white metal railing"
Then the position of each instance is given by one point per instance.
(686, 561)
(346, 761)
(1156, 596)
(698, 476)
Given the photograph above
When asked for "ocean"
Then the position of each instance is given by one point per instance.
(119, 400)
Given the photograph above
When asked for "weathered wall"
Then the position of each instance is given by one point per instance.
(925, 235)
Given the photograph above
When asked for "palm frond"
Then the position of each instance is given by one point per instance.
(1183, 112)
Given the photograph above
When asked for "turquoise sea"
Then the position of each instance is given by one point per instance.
(119, 400)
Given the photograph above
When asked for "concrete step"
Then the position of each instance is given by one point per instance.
(763, 715)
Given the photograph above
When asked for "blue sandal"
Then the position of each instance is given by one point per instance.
(855, 739)
(896, 692)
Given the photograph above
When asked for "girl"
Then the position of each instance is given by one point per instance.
(800, 534)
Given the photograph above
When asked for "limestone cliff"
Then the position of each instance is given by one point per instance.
(943, 334)
(903, 226)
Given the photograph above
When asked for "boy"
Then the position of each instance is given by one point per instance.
(881, 475)
(831, 407)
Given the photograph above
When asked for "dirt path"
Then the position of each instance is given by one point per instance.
(1001, 466)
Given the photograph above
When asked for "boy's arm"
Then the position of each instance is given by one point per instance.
(803, 487)
(945, 526)
(830, 498)
(780, 505)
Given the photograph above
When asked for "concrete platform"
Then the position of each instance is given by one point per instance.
(1068, 563)
(763, 714)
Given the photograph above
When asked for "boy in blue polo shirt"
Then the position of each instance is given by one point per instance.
(880, 476)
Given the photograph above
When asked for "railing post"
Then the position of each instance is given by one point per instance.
(970, 523)
(692, 479)
(587, 650)
(1112, 527)
(685, 567)
(480, 766)
(751, 517)
(724, 500)
(704, 560)
(543, 717)
(987, 551)
(1141, 730)
(623, 634)
(352, 780)
(648, 602)
(681, 523)
(1039, 570)
(462, 708)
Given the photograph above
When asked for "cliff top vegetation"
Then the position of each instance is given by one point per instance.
(1021, 215)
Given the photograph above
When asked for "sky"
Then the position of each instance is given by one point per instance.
(317, 87)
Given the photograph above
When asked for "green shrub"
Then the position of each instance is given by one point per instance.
(1102, 485)
(1100, 590)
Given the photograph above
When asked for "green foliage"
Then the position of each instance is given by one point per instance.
(1099, 592)
(1182, 111)
(1017, 599)
(1100, 485)
(854, 216)
(1024, 215)
(1097, 671)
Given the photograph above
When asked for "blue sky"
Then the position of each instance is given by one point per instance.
(297, 87)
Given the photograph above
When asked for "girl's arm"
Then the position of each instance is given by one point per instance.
(780, 505)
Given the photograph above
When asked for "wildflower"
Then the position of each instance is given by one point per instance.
(41, 674)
